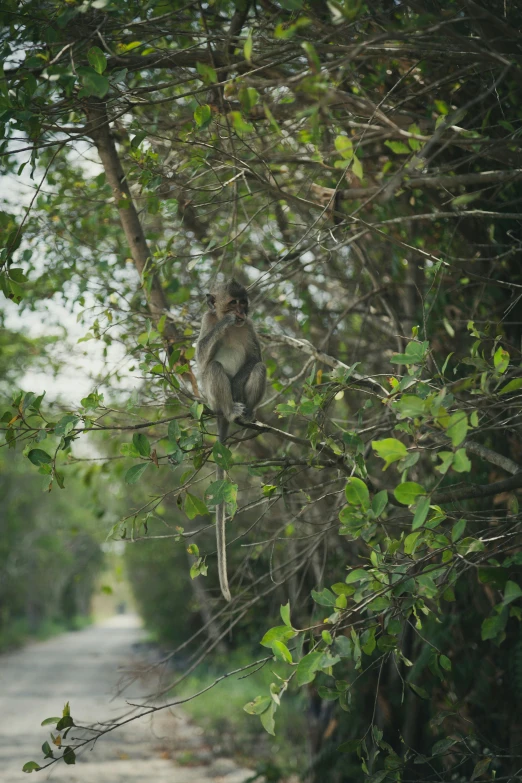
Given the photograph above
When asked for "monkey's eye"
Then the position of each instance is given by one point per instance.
(233, 301)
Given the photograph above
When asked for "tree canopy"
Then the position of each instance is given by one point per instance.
(358, 167)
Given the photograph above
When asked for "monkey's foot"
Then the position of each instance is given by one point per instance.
(237, 411)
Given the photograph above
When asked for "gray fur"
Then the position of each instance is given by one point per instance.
(233, 378)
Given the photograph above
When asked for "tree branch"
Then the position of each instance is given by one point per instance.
(441, 181)
(475, 491)
(494, 457)
(98, 129)
(330, 361)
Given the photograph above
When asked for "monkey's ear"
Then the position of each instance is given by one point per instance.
(211, 301)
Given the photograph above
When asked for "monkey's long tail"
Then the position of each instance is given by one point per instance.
(221, 538)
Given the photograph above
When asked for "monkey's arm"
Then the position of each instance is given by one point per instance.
(210, 335)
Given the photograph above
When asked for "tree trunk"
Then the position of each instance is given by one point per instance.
(99, 131)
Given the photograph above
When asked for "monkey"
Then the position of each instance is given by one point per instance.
(233, 378)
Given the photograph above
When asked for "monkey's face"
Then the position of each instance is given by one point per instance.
(229, 299)
(239, 307)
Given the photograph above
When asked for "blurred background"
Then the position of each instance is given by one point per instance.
(358, 166)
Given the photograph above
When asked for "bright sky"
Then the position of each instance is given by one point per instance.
(84, 363)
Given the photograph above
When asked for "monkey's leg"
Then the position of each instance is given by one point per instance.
(255, 387)
(219, 392)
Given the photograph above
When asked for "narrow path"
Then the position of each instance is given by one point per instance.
(85, 668)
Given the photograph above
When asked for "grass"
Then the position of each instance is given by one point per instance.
(234, 732)
(17, 633)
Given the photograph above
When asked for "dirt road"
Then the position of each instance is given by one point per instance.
(85, 668)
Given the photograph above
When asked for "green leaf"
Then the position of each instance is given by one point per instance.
(30, 766)
(378, 777)
(281, 633)
(357, 167)
(466, 198)
(441, 106)
(501, 360)
(357, 575)
(357, 493)
(350, 746)
(390, 450)
(97, 59)
(247, 48)
(512, 386)
(421, 512)
(379, 502)
(197, 568)
(313, 59)
(419, 691)
(342, 647)
(511, 592)
(340, 588)
(194, 507)
(136, 141)
(69, 756)
(415, 353)
(93, 83)
(141, 444)
(207, 73)
(480, 768)
(327, 693)
(248, 97)
(410, 543)
(239, 123)
(267, 719)
(286, 30)
(410, 405)
(64, 723)
(442, 746)
(398, 147)
(493, 626)
(39, 457)
(457, 428)
(173, 432)
(286, 409)
(222, 455)
(16, 273)
(285, 614)
(461, 462)
(128, 450)
(458, 529)
(135, 473)
(307, 667)
(408, 492)
(222, 491)
(49, 721)
(344, 146)
(445, 662)
(447, 457)
(46, 750)
(324, 598)
(291, 5)
(66, 424)
(282, 652)
(258, 705)
(203, 116)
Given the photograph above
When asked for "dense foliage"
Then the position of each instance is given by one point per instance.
(358, 166)
(50, 554)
